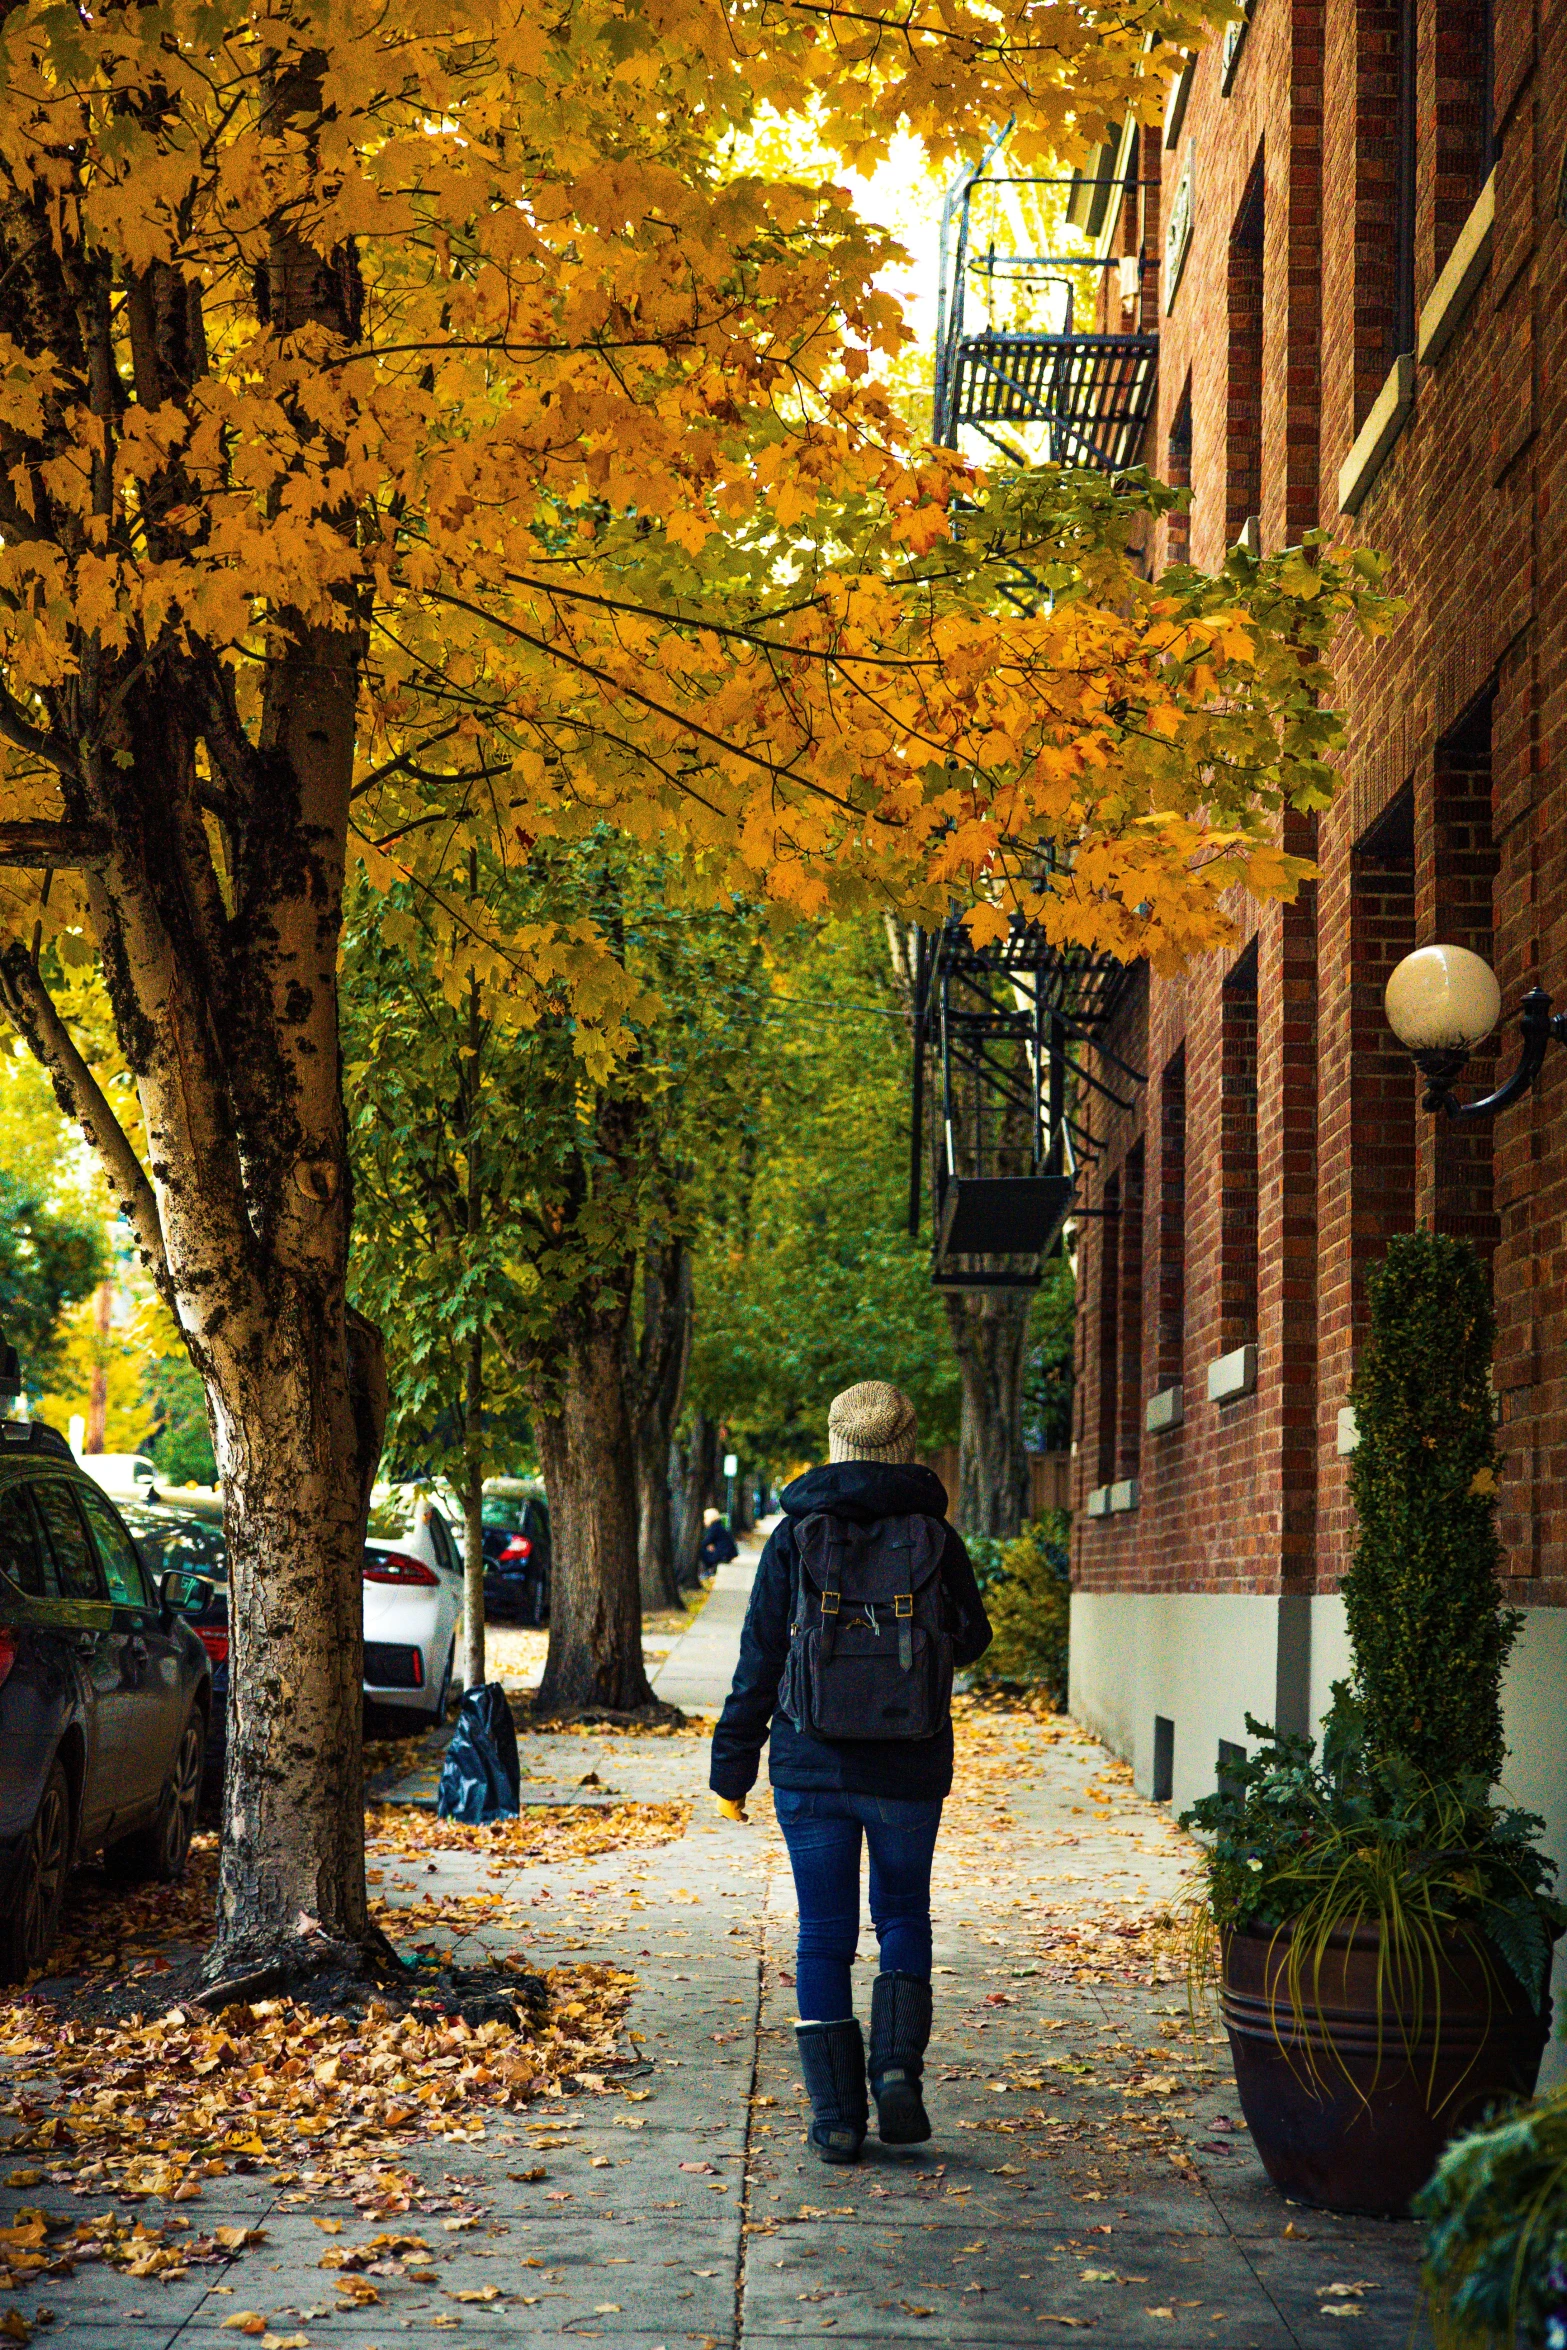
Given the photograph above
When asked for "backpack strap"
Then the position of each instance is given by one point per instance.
(903, 1607)
(832, 1593)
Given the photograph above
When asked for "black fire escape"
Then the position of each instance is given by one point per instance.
(1005, 1031)
(1013, 1038)
(1082, 399)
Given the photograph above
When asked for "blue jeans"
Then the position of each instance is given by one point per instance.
(823, 1831)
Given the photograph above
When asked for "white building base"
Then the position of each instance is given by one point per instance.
(1164, 1677)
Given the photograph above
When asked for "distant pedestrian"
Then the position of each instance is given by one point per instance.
(864, 1602)
(717, 1546)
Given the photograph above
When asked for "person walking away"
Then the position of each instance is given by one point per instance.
(864, 1603)
(717, 1546)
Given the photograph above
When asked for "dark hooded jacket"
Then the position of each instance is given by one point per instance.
(865, 1491)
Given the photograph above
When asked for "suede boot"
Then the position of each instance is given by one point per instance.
(900, 2033)
(832, 2058)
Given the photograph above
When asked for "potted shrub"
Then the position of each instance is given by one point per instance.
(1496, 2246)
(1384, 1923)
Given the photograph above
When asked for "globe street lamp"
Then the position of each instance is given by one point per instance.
(1443, 1001)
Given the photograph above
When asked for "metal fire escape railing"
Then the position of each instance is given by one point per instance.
(1090, 395)
(1005, 1030)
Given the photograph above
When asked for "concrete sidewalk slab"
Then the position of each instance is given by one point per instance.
(699, 1668)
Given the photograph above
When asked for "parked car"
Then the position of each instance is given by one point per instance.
(105, 1694)
(413, 1608)
(405, 1663)
(129, 1476)
(171, 1540)
(517, 1557)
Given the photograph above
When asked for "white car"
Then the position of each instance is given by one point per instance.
(413, 1613)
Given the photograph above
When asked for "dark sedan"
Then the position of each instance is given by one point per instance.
(517, 1558)
(105, 1695)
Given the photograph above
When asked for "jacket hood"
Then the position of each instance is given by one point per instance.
(866, 1490)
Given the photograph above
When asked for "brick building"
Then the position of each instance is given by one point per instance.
(1352, 234)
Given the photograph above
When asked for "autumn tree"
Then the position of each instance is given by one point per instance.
(422, 429)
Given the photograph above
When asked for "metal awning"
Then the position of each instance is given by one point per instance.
(1003, 1029)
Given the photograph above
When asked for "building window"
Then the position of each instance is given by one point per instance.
(1384, 193)
(1461, 108)
(1243, 406)
(1383, 1088)
(1109, 1330)
(1129, 1444)
(1171, 1345)
(1238, 1158)
(1178, 473)
(1178, 228)
(1454, 878)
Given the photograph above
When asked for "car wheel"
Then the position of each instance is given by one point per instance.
(160, 1850)
(32, 1918)
(445, 1697)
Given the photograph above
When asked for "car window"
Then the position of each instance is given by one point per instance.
(121, 1561)
(74, 1563)
(21, 1546)
(445, 1548)
(190, 1549)
(501, 1510)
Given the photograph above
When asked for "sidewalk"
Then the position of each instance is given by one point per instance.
(1090, 2172)
(700, 1666)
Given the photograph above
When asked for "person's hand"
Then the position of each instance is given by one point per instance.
(733, 1811)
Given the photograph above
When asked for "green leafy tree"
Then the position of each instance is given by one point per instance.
(1423, 1600)
(807, 1279)
(510, 1181)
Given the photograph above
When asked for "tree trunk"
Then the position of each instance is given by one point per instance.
(293, 1840)
(473, 1515)
(990, 1337)
(701, 1471)
(584, 1433)
(220, 966)
(657, 1377)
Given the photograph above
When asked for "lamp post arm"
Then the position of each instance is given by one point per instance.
(1537, 1025)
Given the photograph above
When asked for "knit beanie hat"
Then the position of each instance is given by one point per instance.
(871, 1422)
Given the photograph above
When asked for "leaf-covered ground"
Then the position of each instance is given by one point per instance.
(627, 2165)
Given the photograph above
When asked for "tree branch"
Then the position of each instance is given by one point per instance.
(57, 848)
(31, 1008)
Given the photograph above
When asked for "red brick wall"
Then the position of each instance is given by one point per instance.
(1446, 826)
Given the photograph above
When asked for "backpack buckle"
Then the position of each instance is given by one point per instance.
(903, 1603)
(829, 1603)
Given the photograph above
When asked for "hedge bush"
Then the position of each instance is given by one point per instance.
(1027, 1598)
(1423, 1600)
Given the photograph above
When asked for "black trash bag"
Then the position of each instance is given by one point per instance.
(481, 1778)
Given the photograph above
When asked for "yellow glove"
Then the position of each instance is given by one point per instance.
(732, 1811)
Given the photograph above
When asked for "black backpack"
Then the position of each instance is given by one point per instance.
(869, 1652)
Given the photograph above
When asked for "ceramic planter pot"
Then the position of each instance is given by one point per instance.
(1349, 2111)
